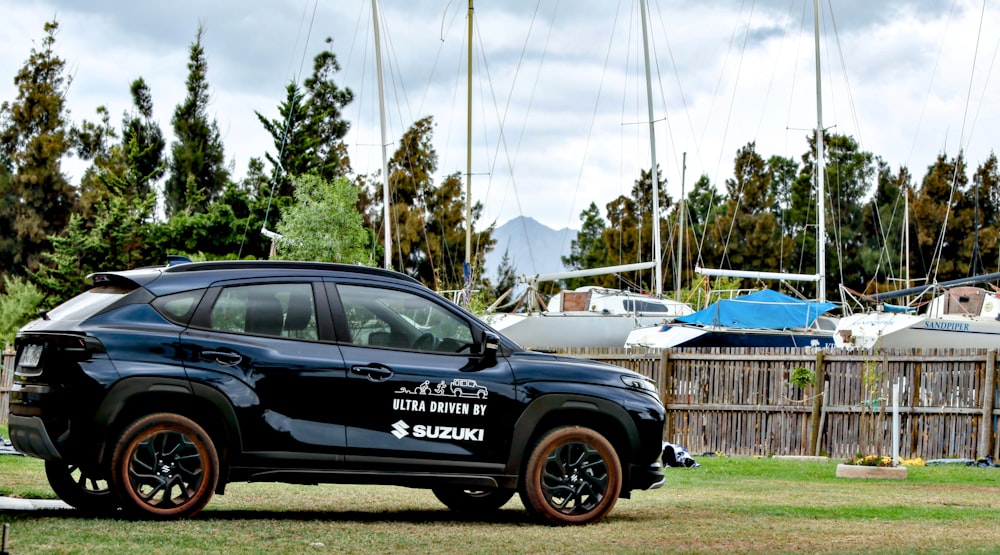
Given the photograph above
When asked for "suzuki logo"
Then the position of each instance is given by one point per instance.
(399, 429)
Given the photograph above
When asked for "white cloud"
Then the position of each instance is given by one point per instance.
(908, 73)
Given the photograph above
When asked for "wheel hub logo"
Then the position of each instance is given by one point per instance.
(400, 429)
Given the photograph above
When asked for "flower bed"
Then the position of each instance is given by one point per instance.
(871, 466)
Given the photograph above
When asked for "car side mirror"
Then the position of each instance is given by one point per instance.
(489, 346)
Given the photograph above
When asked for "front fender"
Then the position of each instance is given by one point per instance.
(548, 408)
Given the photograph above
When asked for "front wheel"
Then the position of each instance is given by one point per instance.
(165, 466)
(573, 476)
(473, 501)
(80, 488)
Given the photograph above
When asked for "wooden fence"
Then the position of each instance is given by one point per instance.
(740, 401)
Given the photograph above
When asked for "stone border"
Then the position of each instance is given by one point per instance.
(871, 472)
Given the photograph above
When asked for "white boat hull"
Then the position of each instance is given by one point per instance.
(907, 331)
(570, 329)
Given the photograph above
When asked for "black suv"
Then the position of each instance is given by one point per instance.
(156, 387)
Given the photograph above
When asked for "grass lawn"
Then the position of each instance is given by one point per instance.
(729, 505)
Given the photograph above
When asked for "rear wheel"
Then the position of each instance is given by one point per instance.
(572, 477)
(473, 501)
(80, 488)
(165, 466)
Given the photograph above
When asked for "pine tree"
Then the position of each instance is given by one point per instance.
(197, 163)
(34, 137)
(324, 123)
(143, 142)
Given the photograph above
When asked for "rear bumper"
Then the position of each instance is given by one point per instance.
(29, 436)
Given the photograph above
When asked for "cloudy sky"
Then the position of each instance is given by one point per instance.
(559, 105)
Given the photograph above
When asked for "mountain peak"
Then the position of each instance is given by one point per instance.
(533, 248)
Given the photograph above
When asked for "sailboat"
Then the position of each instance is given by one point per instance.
(961, 315)
(761, 319)
(595, 316)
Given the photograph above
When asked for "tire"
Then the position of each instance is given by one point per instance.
(164, 466)
(473, 501)
(573, 476)
(81, 488)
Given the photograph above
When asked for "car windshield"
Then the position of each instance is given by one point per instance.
(87, 303)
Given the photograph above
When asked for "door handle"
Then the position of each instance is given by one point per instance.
(373, 373)
(225, 358)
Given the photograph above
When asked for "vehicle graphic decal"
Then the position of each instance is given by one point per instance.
(459, 387)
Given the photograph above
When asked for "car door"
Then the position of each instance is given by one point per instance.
(418, 392)
(268, 349)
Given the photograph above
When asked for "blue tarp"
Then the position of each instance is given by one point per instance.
(764, 309)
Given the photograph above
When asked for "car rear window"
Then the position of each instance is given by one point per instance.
(88, 303)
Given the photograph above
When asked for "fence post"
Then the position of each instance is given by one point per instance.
(661, 387)
(6, 382)
(985, 446)
(661, 378)
(817, 407)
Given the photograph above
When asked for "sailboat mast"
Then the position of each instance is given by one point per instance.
(387, 205)
(658, 270)
(820, 167)
(906, 234)
(468, 152)
(681, 216)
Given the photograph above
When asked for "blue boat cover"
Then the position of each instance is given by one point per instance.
(764, 309)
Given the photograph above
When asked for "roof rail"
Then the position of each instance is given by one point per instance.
(284, 264)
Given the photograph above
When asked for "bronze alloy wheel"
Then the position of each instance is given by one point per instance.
(165, 466)
(80, 488)
(573, 477)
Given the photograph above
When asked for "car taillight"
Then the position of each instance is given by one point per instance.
(32, 357)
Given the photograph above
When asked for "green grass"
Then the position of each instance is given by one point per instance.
(729, 505)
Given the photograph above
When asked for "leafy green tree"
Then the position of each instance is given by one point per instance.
(941, 190)
(588, 249)
(850, 173)
(34, 137)
(116, 238)
(8, 206)
(882, 253)
(427, 220)
(198, 173)
(703, 205)
(629, 234)
(975, 221)
(445, 235)
(96, 142)
(323, 224)
(215, 234)
(64, 269)
(19, 305)
(746, 234)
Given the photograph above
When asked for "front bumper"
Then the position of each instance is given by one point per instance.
(648, 477)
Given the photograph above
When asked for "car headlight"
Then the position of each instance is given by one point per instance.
(640, 383)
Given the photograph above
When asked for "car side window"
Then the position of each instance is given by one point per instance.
(178, 307)
(389, 318)
(273, 309)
